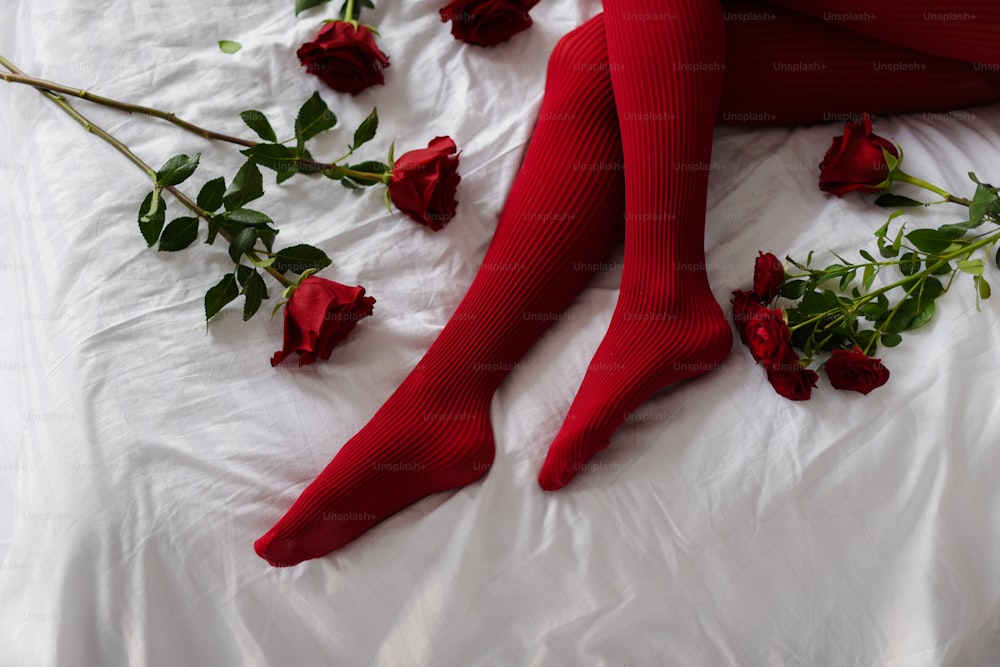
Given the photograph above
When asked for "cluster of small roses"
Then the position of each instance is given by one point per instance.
(345, 56)
(764, 331)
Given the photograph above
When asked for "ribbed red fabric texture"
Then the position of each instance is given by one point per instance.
(562, 218)
(667, 64)
(786, 67)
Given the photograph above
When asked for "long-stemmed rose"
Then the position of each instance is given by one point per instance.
(345, 57)
(487, 22)
(249, 233)
(422, 183)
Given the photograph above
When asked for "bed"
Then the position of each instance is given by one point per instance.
(143, 452)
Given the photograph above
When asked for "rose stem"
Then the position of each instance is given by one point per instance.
(921, 183)
(50, 86)
(91, 127)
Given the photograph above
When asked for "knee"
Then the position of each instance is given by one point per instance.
(579, 62)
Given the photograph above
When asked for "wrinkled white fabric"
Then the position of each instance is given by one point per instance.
(726, 526)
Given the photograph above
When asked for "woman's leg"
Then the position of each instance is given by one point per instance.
(668, 59)
(563, 214)
(780, 67)
(786, 67)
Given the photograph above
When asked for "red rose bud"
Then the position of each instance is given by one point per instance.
(768, 275)
(318, 316)
(790, 380)
(345, 58)
(855, 371)
(768, 337)
(424, 181)
(855, 161)
(745, 306)
(487, 22)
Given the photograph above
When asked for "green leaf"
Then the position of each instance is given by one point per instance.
(868, 278)
(152, 214)
(243, 273)
(929, 240)
(872, 311)
(909, 263)
(272, 156)
(902, 316)
(255, 292)
(996, 258)
(794, 289)
(229, 46)
(314, 117)
(984, 198)
(247, 185)
(845, 280)
(214, 224)
(891, 339)
(956, 230)
(242, 242)
(894, 201)
(302, 5)
(923, 316)
(930, 290)
(179, 234)
(177, 169)
(257, 121)
(944, 269)
(266, 236)
(813, 303)
(867, 255)
(366, 131)
(211, 195)
(221, 294)
(973, 267)
(298, 258)
(983, 287)
(285, 174)
(247, 217)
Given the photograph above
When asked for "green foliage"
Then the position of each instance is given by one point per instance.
(152, 214)
(177, 169)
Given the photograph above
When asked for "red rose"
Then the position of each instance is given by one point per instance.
(320, 314)
(424, 181)
(745, 306)
(768, 337)
(487, 22)
(345, 58)
(855, 161)
(768, 275)
(790, 380)
(856, 371)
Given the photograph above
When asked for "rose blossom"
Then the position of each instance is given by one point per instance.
(768, 275)
(318, 316)
(768, 337)
(345, 58)
(487, 22)
(790, 380)
(745, 306)
(855, 371)
(855, 160)
(424, 181)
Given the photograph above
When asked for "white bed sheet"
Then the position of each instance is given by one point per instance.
(726, 526)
